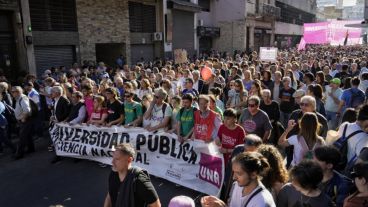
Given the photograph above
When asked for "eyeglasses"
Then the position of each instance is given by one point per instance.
(252, 105)
(304, 104)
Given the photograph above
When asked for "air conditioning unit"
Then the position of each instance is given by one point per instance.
(157, 36)
(200, 22)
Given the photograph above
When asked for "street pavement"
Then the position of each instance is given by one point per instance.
(34, 182)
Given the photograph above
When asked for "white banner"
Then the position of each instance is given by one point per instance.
(193, 164)
(268, 54)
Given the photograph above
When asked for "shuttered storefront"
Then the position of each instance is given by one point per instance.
(53, 56)
(183, 31)
(139, 51)
(8, 58)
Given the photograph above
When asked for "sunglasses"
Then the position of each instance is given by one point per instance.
(304, 104)
(156, 97)
(127, 95)
(252, 105)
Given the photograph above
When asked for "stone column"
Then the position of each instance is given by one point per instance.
(251, 37)
(31, 62)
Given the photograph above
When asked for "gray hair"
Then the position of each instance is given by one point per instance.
(161, 93)
(256, 100)
(57, 89)
(18, 88)
(4, 85)
(196, 72)
(311, 100)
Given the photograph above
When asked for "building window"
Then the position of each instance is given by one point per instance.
(50, 15)
(142, 18)
(205, 5)
(257, 6)
(293, 15)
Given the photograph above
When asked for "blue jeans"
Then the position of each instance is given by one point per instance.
(332, 120)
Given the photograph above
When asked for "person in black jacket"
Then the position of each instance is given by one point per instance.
(129, 185)
(61, 108)
(78, 111)
(60, 111)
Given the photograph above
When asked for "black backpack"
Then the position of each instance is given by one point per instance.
(34, 107)
(9, 113)
(342, 145)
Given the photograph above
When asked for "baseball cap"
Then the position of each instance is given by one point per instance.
(336, 81)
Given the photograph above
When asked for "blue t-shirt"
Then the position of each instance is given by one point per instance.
(347, 94)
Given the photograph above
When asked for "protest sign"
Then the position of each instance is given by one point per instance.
(268, 54)
(194, 164)
(180, 56)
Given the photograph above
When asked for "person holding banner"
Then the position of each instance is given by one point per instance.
(78, 111)
(185, 118)
(132, 110)
(129, 186)
(115, 108)
(159, 113)
(99, 113)
(206, 121)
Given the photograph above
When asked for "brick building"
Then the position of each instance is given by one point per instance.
(38, 34)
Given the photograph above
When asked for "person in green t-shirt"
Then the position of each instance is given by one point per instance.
(185, 118)
(133, 111)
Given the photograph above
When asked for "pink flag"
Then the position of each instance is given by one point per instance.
(301, 44)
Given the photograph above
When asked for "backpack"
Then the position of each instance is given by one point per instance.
(33, 105)
(357, 98)
(342, 145)
(9, 113)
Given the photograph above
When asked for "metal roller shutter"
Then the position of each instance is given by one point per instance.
(183, 31)
(53, 56)
(141, 51)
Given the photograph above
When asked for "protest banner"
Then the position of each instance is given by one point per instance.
(180, 56)
(268, 54)
(316, 33)
(193, 164)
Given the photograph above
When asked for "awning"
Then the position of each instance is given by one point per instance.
(183, 5)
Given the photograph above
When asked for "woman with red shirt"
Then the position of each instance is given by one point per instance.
(99, 113)
(230, 134)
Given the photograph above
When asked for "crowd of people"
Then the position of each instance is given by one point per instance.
(270, 120)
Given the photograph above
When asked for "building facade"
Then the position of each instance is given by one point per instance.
(289, 27)
(236, 24)
(36, 35)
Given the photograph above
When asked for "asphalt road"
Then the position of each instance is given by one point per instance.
(34, 182)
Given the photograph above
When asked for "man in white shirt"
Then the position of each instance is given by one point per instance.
(22, 113)
(332, 94)
(359, 141)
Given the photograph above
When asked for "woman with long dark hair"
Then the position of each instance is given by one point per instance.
(306, 141)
